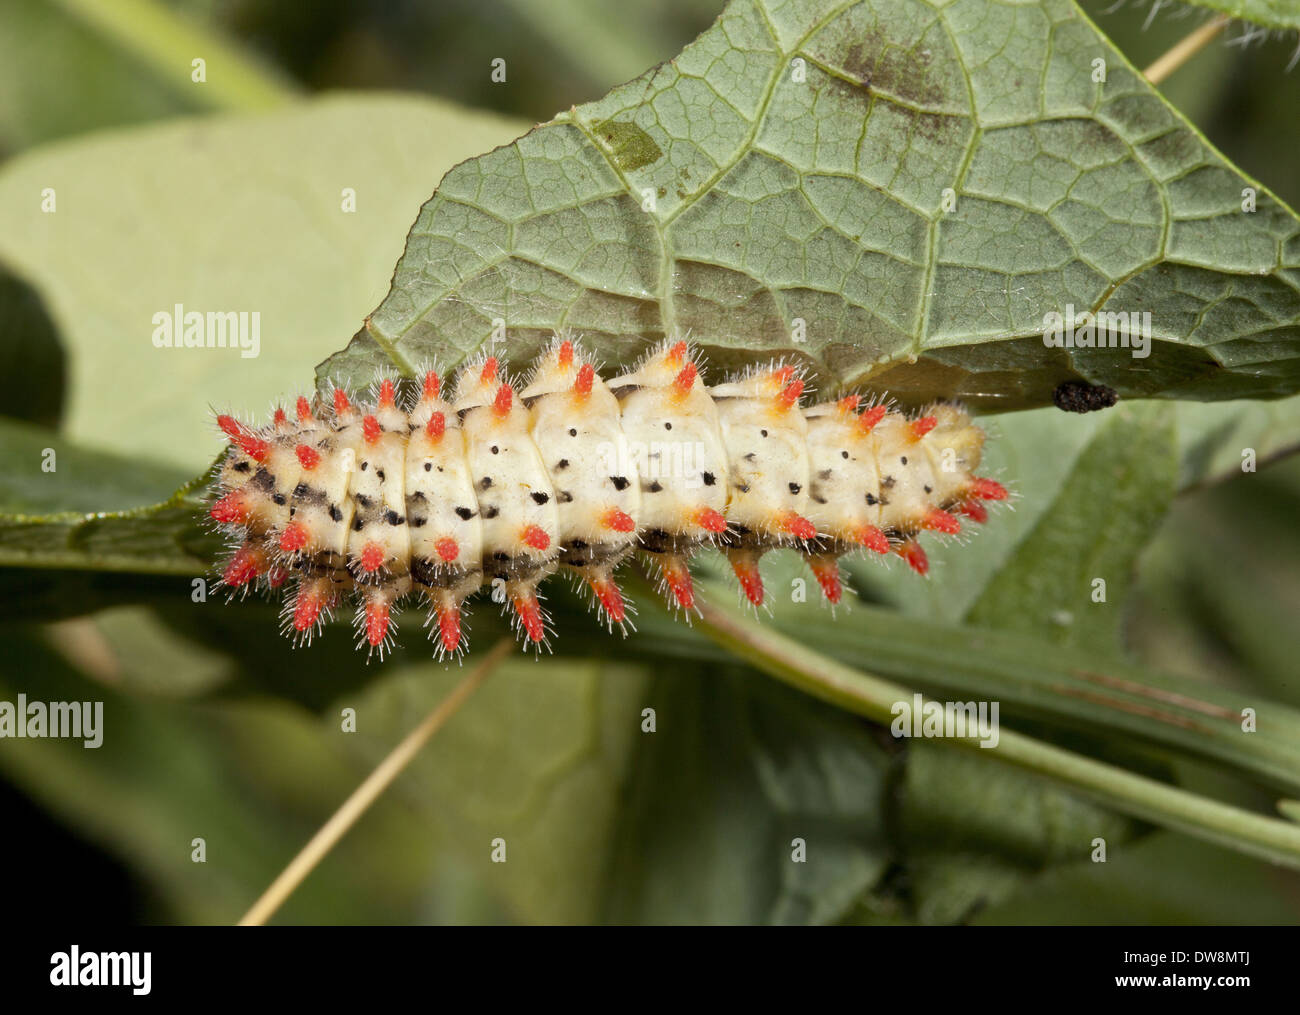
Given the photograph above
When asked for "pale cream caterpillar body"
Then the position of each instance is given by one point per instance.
(493, 485)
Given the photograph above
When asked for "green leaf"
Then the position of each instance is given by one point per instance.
(536, 758)
(973, 830)
(735, 772)
(220, 214)
(1162, 880)
(1032, 678)
(1213, 438)
(722, 194)
(63, 506)
(111, 89)
(1107, 511)
(253, 781)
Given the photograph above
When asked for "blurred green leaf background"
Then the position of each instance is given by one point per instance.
(217, 730)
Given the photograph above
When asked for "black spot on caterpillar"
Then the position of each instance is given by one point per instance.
(737, 473)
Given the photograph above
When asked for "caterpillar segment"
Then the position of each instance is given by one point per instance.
(765, 436)
(442, 493)
(674, 433)
(516, 500)
(576, 425)
(442, 515)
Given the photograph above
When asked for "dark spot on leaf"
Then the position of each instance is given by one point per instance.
(629, 147)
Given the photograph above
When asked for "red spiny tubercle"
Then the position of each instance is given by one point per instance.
(432, 386)
(918, 428)
(751, 582)
(713, 521)
(790, 394)
(449, 627)
(586, 375)
(306, 610)
(372, 557)
(868, 420)
(939, 520)
(530, 615)
(988, 489)
(231, 509)
(618, 520)
(294, 537)
(611, 598)
(376, 622)
(685, 380)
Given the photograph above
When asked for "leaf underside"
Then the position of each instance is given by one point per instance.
(791, 165)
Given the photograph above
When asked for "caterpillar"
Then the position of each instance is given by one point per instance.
(440, 493)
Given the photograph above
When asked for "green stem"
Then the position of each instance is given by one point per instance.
(167, 44)
(1139, 796)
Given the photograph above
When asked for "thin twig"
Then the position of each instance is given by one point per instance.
(364, 795)
(1186, 49)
